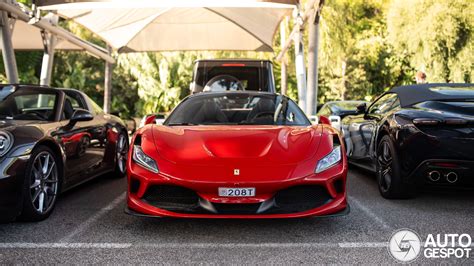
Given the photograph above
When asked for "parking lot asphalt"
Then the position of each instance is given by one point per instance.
(90, 226)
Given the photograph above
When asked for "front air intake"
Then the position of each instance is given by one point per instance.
(171, 197)
(301, 198)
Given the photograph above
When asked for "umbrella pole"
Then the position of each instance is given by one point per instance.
(300, 68)
(313, 47)
(109, 68)
(49, 42)
(7, 47)
(283, 84)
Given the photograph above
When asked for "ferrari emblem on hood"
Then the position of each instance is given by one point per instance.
(236, 171)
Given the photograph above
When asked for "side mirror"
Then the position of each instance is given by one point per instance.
(314, 119)
(80, 115)
(150, 120)
(361, 108)
(324, 120)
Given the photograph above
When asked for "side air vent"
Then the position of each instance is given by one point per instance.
(336, 141)
(338, 185)
(138, 140)
(134, 186)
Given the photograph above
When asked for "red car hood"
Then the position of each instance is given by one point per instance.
(216, 144)
(211, 153)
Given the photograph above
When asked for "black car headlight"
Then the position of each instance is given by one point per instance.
(6, 142)
(329, 160)
(144, 160)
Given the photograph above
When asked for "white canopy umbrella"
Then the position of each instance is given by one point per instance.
(17, 33)
(28, 37)
(164, 25)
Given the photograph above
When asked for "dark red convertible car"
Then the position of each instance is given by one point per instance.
(237, 155)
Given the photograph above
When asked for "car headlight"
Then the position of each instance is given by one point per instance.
(329, 160)
(144, 160)
(6, 142)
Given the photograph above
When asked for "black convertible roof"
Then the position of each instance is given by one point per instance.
(413, 94)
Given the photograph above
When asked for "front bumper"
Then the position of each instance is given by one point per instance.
(12, 173)
(164, 196)
(131, 212)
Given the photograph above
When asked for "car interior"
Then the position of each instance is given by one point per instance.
(28, 106)
(72, 102)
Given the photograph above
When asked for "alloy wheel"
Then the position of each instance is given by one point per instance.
(384, 158)
(122, 152)
(44, 182)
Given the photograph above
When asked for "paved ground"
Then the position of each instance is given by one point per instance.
(89, 226)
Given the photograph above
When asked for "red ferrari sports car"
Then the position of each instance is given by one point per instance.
(237, 155)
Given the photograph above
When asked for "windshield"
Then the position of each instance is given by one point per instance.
(237, 109)
(26, 104)
(250, 78)
(224, 83)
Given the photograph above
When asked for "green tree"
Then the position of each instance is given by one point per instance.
(356, 59)
(436, 35)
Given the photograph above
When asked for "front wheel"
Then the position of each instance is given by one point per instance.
(389, 178)
(41, 186)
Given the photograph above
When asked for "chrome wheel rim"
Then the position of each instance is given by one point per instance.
(44, 182)
(122, 151)
(384, 158)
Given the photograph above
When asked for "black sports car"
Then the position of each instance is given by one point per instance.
(51, 140)
(415, 135)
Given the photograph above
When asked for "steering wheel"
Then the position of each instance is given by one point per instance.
(38, 114)
(229, 83)
(263, 114)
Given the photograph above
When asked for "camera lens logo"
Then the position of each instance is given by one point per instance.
(405, 245)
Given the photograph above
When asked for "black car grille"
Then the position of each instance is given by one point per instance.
(290, 200)
(172, 198)
(301, 198)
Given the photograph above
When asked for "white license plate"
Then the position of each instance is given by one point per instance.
(237, 192)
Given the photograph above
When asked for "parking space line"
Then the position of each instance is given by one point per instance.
(240, 245)
(64, 245)
(83, 226)
(369, 213)
(183, 245)
(343, 245)
(363, 245)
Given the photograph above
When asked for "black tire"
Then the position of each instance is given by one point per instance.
(121, 153)
(37, 181)
(389, 180)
